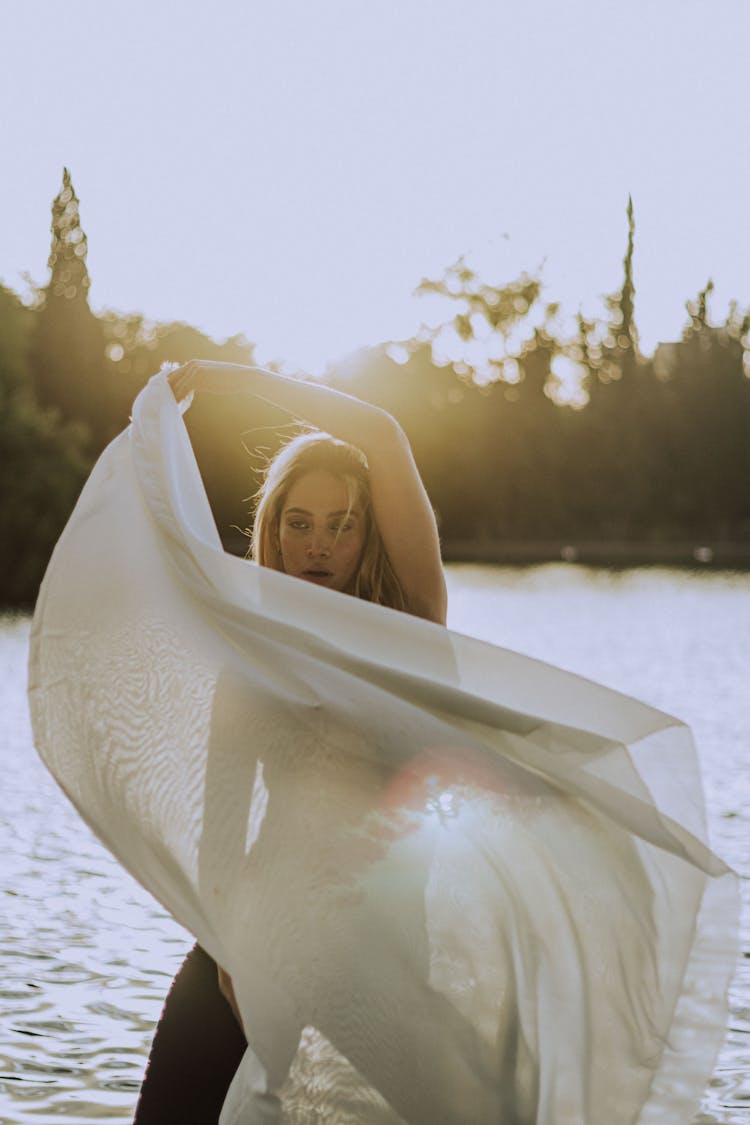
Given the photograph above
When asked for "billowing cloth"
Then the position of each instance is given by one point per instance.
(452, 885)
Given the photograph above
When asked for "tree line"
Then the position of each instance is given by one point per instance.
(521, 431)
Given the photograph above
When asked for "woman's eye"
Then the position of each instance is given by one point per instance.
(339, 527)
(298, 525)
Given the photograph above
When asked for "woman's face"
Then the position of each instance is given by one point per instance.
(319, 538)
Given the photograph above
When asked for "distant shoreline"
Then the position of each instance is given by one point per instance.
(703, 554)
(699, 555)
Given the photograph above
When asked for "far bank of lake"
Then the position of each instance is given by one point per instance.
(600, 552)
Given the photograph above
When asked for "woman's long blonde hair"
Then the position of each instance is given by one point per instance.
(375, 580)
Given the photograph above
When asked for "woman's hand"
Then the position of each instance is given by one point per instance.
(207, 375)
(227, 991)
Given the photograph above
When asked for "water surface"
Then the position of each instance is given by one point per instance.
(86, 956)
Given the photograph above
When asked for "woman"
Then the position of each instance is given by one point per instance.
(347, 512)
(451, 885)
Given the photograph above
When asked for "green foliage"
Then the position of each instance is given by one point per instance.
(642, 454)
(63, 396)
(136, 348)
(42, 464)
(622, 303)
(67, 257)
(42, 469)
(15, 328)
(500, 307)
(66, 357)
(650, 459)
(646, 450)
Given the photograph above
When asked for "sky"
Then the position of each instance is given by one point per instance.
(291, 169)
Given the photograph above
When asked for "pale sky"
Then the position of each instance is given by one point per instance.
(291, 169)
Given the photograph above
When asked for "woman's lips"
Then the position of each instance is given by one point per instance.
(317, 575)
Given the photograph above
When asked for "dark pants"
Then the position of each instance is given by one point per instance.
(197, 1047)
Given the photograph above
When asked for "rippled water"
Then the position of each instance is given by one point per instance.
(86, 956)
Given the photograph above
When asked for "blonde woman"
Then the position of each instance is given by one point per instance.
(453, 885)
(342, 507)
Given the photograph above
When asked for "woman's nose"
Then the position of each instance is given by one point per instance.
(319, 544)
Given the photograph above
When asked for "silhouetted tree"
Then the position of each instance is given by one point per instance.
(501, 307)
(698, 312)
(708, 395)
(67, 359)
(628, 335)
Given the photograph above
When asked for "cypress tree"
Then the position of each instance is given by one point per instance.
(627, 301)
(621, 345)
(67, 359)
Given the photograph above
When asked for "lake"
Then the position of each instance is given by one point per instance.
(86, 956)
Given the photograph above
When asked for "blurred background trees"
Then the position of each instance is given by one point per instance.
(43, 462)
(524, 434)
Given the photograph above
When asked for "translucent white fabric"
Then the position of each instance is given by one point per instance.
(452, 885)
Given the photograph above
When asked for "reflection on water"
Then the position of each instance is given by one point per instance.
(86, 956)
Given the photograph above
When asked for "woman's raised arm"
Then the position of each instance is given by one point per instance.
(401, 507)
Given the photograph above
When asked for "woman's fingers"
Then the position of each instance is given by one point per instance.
(175, 378)
(184, 379)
